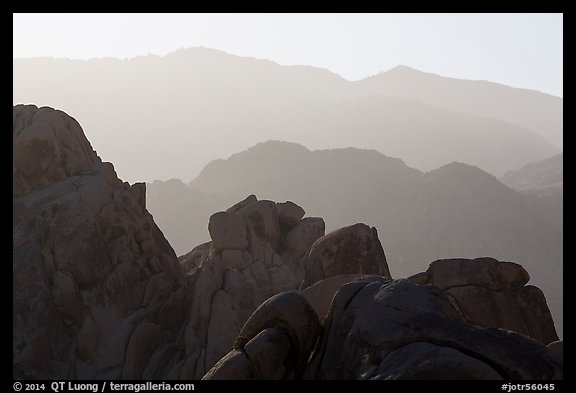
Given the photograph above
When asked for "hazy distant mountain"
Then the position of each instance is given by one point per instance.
(454, 211)
(542, 177)
(176, 113)
(530, 109)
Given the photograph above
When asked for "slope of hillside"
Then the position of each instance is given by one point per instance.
(454, 211)
(543, 177)
(327, 180)
(188, 107)
(530, 109)
(424, 136)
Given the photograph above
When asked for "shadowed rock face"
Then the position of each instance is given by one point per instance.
(379, 329)
(350, 250)
(98, 291)
(557, 349)
(382, 330)
(100, 294)
(490, 293)
(275, 342)
(48, 146)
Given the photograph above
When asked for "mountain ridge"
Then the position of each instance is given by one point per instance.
(509, 104)
(400, 68)
(176, 103)
(454, 211)
(542, 177)
(405, 69)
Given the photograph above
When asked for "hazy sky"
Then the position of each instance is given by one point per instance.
(520, 50)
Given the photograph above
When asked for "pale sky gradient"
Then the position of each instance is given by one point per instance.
(519, 50)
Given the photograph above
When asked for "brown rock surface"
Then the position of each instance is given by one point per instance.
(350, 250)
(490, 293)
(398, 330)
(289, 214)
(232, 281)
(84, 252)
(274, 343)
(48, 146)
(228, 231)
(320, 294)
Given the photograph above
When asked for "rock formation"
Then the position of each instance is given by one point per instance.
(99, 293)
(257, 250)
(454, 211)
(274, 343)
(383, 329)
(557, 349)
(489, 293)
(350, 250)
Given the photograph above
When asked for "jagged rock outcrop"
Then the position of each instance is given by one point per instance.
(350, 250)
(260, 248)
(490, 293)
(257, 250)
(48, 146)
(98, 291)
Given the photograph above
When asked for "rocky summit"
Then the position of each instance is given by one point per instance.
(98, 292)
